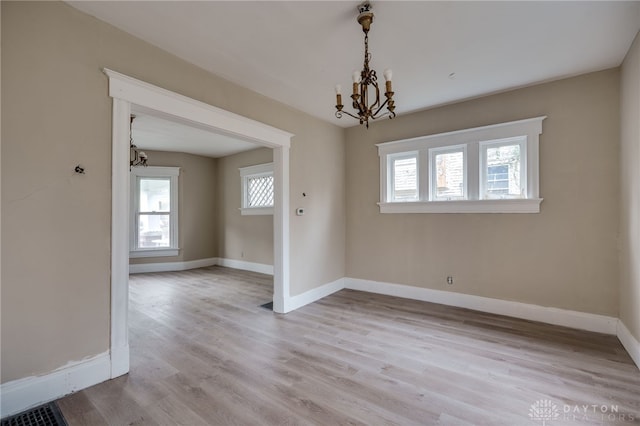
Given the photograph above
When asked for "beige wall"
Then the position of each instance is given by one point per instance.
(565, 256)
(630, 191)
(198, 206)
(246, 238)
(56, 113)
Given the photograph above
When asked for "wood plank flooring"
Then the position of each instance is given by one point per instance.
(204, 352)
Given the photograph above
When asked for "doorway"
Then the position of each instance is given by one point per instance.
(127, 92)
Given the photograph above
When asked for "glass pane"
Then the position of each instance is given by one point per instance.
(450, 175)
(155, 194)
(154, 231)
(260, 191)
(405, 182)
(503, 172)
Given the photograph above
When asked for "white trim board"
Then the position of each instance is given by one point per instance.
(246, 266)
(313, 295)
(629, 342)
(141, 268)
(157, 99)
(556, 316)
(22, 394)
(128, 93)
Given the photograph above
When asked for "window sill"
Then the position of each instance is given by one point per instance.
(256, 211)
(529, 205)
(163, 252)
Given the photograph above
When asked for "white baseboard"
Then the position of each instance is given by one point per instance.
(246, 266)
(629, 342)
(22, 394)
(567, 318)
(141, 268)
(294, 302)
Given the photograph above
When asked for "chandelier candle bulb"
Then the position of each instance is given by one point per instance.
(387, 76)
(356, 81)
(338, 96)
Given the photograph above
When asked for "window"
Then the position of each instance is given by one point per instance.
(257, 189)
(503, 169)
(154, 211)
(491, 169)
(448, 177)
(404, 169)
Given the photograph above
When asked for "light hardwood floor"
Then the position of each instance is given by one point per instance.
(204, 352)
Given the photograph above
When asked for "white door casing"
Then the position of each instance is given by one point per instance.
(127, 92)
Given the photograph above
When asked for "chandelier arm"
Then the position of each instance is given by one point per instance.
(358, 103)
(339, 114)
(380, 108)
(380, 116)
(376, 104)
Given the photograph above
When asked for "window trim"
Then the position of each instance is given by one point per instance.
(472, 138)
(154, 172)
(247, 173)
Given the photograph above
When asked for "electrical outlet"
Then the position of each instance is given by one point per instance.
(450, 280)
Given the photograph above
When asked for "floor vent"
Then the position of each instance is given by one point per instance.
(43, 415)
(268, 305)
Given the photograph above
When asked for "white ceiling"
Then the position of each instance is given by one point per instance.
(154, 133)
(296, 51)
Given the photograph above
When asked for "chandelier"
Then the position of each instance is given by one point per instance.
(136, 157)
(367, 105)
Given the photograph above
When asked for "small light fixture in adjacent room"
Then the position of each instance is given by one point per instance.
(136, 157)
(366, 78)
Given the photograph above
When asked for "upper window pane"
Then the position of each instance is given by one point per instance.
(503, 172)
(258, 186)
(260, 191)
(155, 194)
(405, 179)
(449, 175)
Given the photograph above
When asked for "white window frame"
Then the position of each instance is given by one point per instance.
(172, 173)
(247, 173)
(401, 156)
(475, 141)
(484, 145)
(433, 152)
